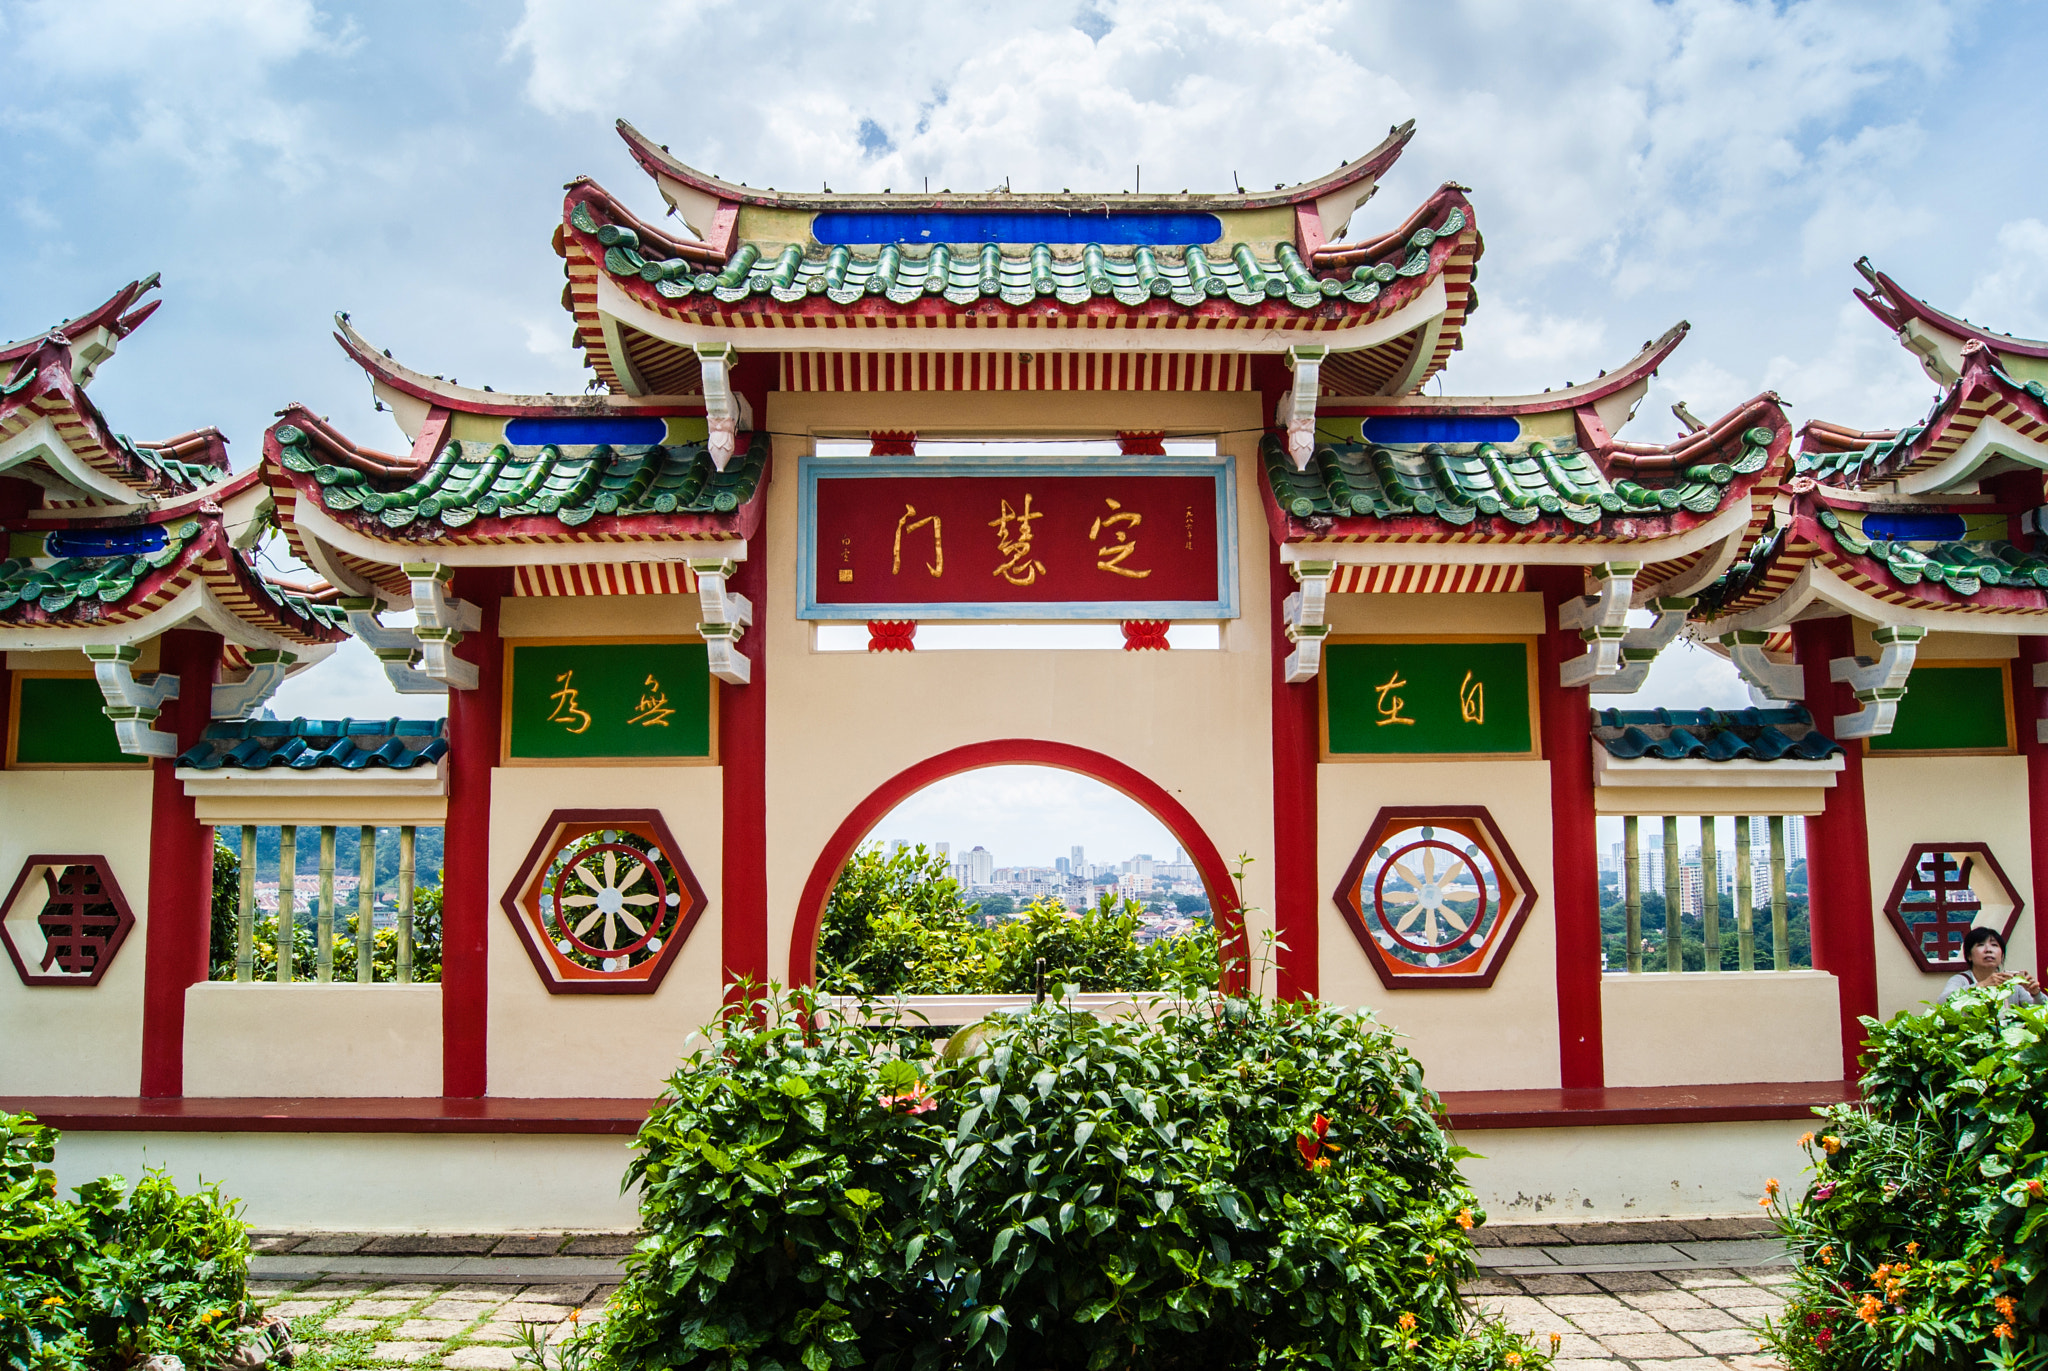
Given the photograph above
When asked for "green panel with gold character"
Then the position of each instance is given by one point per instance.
(579, 701)
(1428, 699)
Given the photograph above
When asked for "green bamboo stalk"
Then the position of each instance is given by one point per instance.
(1674, 945)
(1745, 898)
(245, 909)
(366, 902)
(1710, 890)
(324, 915)
(287, 899)
(1632, 868)
(406, 838)
(1781, 948)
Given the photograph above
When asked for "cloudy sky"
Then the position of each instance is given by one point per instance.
(1632, 163)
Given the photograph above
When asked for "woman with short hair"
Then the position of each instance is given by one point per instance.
(1984, 956)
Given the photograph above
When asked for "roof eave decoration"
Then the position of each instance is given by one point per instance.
(1987, 420)
(52, 434)
(697, 196)
(1936, 338)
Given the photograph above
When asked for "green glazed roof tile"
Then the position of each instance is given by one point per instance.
(78, 584)
(965, 273)
(571, 484)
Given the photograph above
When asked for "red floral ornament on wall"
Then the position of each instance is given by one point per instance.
(604, 901)
(1435, 896)
(64, 920)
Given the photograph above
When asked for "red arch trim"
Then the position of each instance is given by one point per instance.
(1222, 891)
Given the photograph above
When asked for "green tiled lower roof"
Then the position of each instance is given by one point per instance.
(572, 484)
(969, 272)
(67, 583)
(1458, 482)
(191, 475)
(1964, 567)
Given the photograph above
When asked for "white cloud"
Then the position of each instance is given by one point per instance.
(1027, 815)
(2012, 296)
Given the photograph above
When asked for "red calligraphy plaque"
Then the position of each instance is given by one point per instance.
(1027, 541)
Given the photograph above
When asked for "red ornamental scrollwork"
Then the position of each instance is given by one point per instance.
(604, 901)
(64, 920)
(1944, 890)
(1435, 896)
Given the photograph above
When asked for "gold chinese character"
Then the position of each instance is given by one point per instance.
(937, 566)
(1111, 556)
(1391, 704)
(566, 709)
(1020, 569)
(654, 710)
(1472, 700)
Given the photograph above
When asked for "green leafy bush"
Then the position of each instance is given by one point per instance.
(118, 1275)
(1236, 1184)
(896, 924)
(1923, 1240)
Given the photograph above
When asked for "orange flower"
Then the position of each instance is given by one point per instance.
(1912, 1249)
(2033, 1190)
(2004, 1305)
(2002, 1332)
(1831, 1144)
(1429, 1259)
(1826, 1256)
(1464, 1218)
(1869, 1309)
(1806, 1139)
(1556, 1341)
(1407, 1323)
(1998, 1261)
(1513, 1359)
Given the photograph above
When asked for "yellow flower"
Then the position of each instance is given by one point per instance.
(54, 1299)
(1831, 1144)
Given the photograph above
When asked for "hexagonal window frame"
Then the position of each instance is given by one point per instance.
(34, 970)
(1479, 838)
(1896, 906)
(560, 952)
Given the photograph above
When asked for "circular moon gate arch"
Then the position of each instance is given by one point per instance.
(1232, 946)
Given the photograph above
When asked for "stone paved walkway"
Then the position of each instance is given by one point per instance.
(1630, 1297)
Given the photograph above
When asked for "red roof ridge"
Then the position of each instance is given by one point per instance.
(113, 314)
(1647, 359)
(657, 161)
(1895, 308)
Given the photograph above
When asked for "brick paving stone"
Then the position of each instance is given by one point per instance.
(481, 1359)
(1559, 1285)
(485, 1294)
(1706, 1276)
(1583, 1364)
(529, 1245)
(1658, 1300)
(1584, 1304)
(601, 1245)
(467, 1311)
(558, 1294)
(402, 1351)
(1639, 1346)
(1767, 1275)
(413, 1291)
(521, 1311)
(337, 1287)
(431, 1245)
(1743, 1297)
(1619, 1321)
(380, 1307)
(1628, 1282)
(1727, 1342)
(1702, 1320)
(274, 1242)
(1589, 1234)
(1730, 1228)
(351, 1325)
(333, 1244)
(1490, 1285)
(300, 1309)
(1574, 1346)
(495, 1332)
(438, 1329)
(1523, 1235)
(1753, 1362)
(1680, 1364)
(265, 1289)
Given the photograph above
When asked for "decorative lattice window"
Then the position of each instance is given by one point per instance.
(604, 901)
(1435, 896)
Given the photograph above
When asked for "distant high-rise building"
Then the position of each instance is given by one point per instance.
(943, 849)
(1063, 865)
(897, 846)
(981, 866)
(1077, 861)
(1795, 839)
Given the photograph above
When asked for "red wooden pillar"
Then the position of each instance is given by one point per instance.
(474, 719)
(1838, 903)
(180, 867)
(1297, 904)
(743, 772)
(1574, 843)
(2029, 701)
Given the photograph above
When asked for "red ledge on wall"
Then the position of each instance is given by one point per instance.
(1614, 1106)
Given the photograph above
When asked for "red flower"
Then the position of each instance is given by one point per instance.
(1824, 1337)
(1322, 1127)
(1308, 1147)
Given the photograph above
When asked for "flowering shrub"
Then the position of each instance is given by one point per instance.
(117, 1276)
(1236, 1184)
(1923, 1240)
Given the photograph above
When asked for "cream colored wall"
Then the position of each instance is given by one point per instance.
(1912, 800)
(312, 1040)
(1639, 1172)
(1504, 1038)
(840, 724)
(382, 1182)
(604, 1046)
(66, 1040)
(1733, 1026)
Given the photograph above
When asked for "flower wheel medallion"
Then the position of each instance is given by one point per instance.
(1435, 897)
(603, 901)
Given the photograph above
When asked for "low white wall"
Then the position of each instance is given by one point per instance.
(1652, 1171)
(1721, 1029)
(382, 1182)
(318, 1040)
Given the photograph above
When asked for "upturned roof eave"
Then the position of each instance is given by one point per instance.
(1894, 307)
(112, 314)
(1644, 364)
(441, 394)
(657, 161)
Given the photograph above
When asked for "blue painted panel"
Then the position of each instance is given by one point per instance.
(1442, 428)
(618, 430)
(1018, 226)
(1914, 528)
(105, 542)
